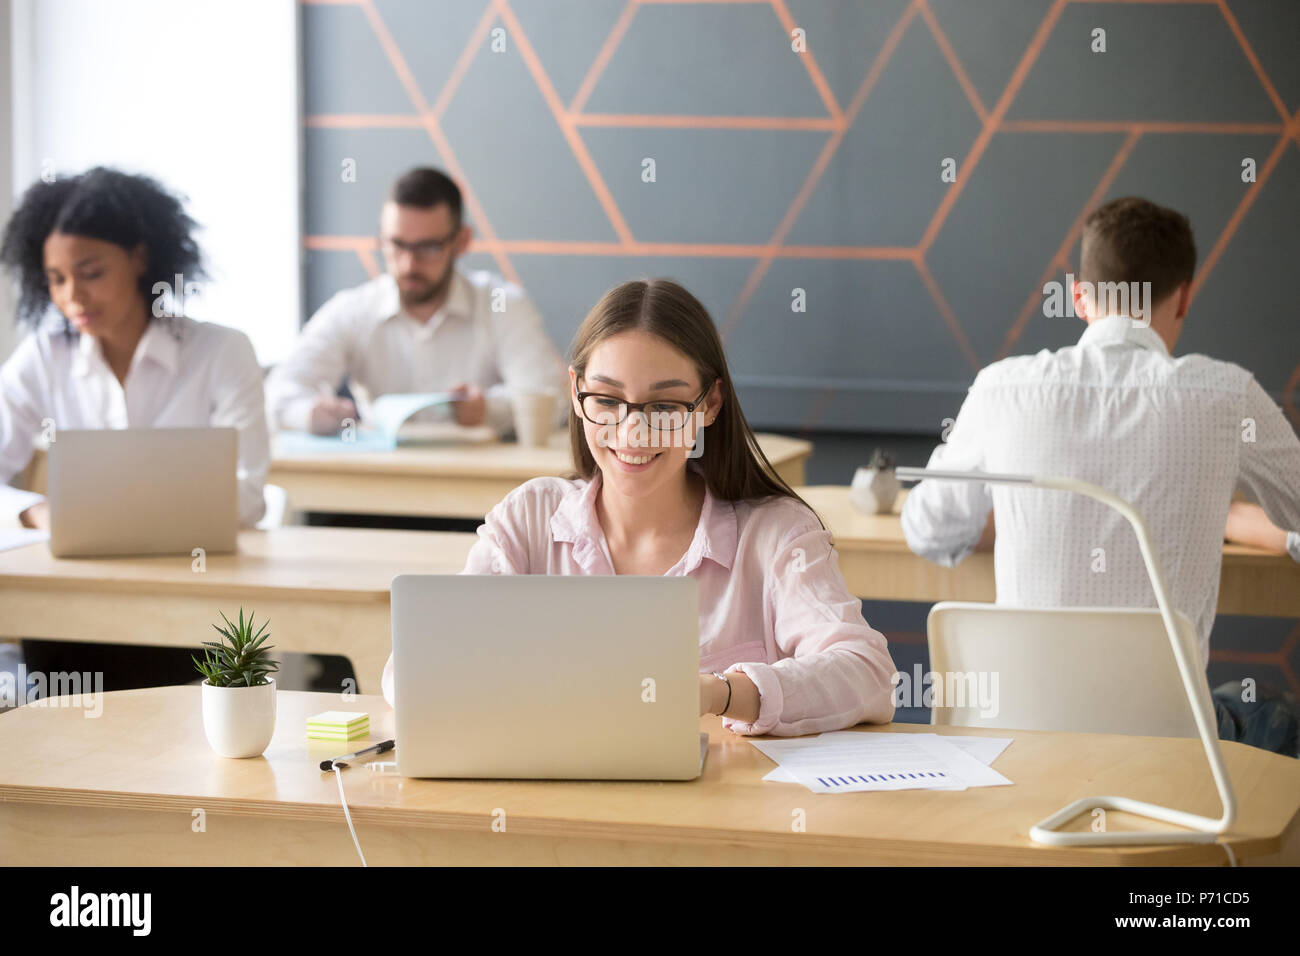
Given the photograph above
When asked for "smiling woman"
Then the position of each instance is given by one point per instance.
(648, 382)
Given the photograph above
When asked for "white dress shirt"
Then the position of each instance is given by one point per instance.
(1173, 436)
(487, 333)
(184, 374)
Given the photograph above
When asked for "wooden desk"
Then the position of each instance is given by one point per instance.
(450, 480)
(324, 590)
(124, 788)
(878, 565)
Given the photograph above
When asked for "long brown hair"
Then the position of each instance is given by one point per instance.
(734, 465)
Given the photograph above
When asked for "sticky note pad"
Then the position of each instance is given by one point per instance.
(341, 725)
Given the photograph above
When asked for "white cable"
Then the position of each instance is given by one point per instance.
(1232, 857)
(338, 774)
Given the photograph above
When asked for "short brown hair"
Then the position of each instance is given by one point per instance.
(1134, 240)
(425, 187)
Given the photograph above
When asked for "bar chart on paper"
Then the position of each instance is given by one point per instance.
(849, 761)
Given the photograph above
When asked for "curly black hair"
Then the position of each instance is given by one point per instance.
(106, 204)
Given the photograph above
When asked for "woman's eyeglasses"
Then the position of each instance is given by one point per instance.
(662, 414)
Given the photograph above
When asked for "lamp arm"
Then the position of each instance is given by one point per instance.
(1197, 695)
(1193, 683)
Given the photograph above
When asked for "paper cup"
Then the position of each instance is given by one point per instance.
(535, 412)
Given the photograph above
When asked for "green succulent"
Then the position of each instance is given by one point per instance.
(240, 659)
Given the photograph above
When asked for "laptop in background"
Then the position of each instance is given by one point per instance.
(142, 491)
(547, 677)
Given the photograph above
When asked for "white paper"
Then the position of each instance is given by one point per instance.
(984, 749)
(387, 413)
(447, 433)
(847, 762)
(380, 422)
(11, 538)
(305, 443)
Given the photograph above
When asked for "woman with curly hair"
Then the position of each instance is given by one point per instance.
(102, 247)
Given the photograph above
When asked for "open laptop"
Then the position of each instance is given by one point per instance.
(142, 491)
(534, 676)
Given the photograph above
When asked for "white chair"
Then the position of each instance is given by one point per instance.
(1086, 670)
(1200, 829)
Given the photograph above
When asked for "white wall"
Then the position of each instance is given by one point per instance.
(201, 94)
(7, 331)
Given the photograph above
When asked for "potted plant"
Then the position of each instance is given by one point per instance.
(238, 691)
(874, 488)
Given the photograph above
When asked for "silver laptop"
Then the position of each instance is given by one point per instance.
(534, 676)
(142, 491)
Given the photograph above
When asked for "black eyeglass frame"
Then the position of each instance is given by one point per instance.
(630, 407)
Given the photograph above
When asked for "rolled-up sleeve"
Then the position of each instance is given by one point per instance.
(835, 670)
(1270, 463)
(943, 520)
(321, 356)
(238, 403)
(22, 386)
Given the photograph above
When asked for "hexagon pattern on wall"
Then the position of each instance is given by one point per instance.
(543, 110)
(820, 166)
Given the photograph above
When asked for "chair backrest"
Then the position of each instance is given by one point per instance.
(1092, 670)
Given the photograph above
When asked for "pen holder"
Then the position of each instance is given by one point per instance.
(873, 490)
(239, 721)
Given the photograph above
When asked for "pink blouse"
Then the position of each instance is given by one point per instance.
(773, 602)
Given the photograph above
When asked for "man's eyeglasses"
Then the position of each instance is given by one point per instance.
(424, 249)
(663, 414)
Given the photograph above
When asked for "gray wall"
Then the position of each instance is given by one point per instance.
(911, 283)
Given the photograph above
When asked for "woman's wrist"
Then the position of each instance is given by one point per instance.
(745, 698)
(721, 694)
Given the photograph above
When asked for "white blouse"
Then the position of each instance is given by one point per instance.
(184, 374)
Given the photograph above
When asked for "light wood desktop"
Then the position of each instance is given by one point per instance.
(324, 591)
(449, 479)
(873, 553)
(878, 565)
(139, 785)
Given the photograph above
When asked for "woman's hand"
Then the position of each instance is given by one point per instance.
(38, 516)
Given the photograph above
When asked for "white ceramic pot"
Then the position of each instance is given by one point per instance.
(874, 491)
(239, 721)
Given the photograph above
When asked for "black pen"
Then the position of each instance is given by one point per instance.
(384, 747)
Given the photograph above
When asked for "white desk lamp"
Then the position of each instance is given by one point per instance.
(1200, 829)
